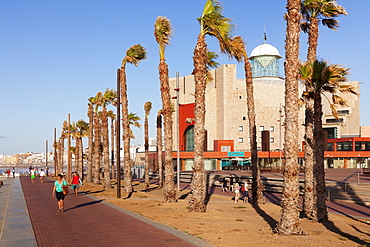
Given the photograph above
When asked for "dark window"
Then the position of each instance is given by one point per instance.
(334, 120)
(189, 139)
(343, 112)
(330, 146)
(362, 146)
(344, 146)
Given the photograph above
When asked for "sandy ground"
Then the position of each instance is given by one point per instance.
(227, 223)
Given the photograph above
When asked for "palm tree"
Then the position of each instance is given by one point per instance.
(134, 55)
(313, 11)
(112, 116)
(107, 98)
(147, 108)
(239, 52)
(97, 142)
(162, 33)
(63, 136)
(159, 149)
(133, 120)
(81, 130)
(90, 160)
(289, 221)
(323, 78)
(212, 23)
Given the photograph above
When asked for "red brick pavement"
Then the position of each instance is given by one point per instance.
(87, 222)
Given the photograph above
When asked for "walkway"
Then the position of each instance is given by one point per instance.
(15, 224)
(90, 222)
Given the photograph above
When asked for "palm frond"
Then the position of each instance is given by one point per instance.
(162, 33)
(134, 55)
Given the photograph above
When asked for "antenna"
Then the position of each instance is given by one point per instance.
(264, 34)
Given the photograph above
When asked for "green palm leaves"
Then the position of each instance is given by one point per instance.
(134, 55)
(213, 23)
(325, 10)
(162, 34)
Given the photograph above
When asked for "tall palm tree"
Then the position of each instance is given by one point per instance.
(289, 221)
(147, 108)
(112, 116)
(212, 23)
(97, 143)
(323, 78)
(90, 158)
(107, 98)
(134, 55)
(63, 136)
(239, 52)
(133, 120)
(313, 11)
(81, 129)
(159, 149)
(162, 33)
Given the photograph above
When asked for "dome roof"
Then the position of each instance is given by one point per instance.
(265, 50)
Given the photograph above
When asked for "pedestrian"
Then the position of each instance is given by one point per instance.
(47, 171)
(237, 192)
(244, 192)
(33, 175)
(59, 185)
(75, 183)
(13, 170)
(225, 185)
(42, 175)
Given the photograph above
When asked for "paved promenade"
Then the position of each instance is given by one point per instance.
(29, 218)
(85, 222)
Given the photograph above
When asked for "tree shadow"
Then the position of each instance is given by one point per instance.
(84, 205)
(271, 221)
(129, 195)
(184, 196)
(331, 227)
(365, 233)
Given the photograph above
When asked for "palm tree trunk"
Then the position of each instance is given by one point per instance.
(90, 144)
(289, 222)
(61, 155)
(198, 185)
(146, 146)
(257, 186)
(97, 143)
(159, 150)
(169, 190)
(319, 171)
(112, 145)
(310, 195)
(105, 135)
(126, 132)
(81, 159)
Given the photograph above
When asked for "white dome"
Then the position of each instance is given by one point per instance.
(265, 50)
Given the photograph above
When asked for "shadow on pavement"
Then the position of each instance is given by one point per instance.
(271, 221)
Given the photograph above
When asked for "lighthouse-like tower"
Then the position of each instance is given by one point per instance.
(265, 61)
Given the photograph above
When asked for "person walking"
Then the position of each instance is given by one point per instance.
(42, 175)
(33, 175)
(237, 192)
(59, 185)
(244, 192)
(13, 170)
(75, 183)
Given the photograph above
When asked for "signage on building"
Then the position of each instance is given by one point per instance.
(235, 154)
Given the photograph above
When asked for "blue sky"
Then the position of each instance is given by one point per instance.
(54, 55)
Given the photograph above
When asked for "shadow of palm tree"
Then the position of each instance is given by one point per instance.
(85, 204)
(271, 221)
(184, 196)
(331, 227)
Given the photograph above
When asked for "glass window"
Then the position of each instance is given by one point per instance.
(189, 139)
(225, 148)
(330, 146)
(244, 118)
(262, 128)
(272, 128)
(240, 128)
(362, 146)
(240, 139)
(344, 146)
(272, 140)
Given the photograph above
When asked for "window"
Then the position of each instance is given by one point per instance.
(240, 139)
(262, 128)
(362, 146)
(189, 139)
(240, 128)
(334, 120)
(272, 128)
(225, 148)
(244, 118)
(272, 140)
(240, 97)
(344, 146)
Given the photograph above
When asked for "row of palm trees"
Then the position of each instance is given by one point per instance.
(317, 75)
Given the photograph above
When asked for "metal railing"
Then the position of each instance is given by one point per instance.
(344, 181)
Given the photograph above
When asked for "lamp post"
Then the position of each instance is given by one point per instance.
(177, 89)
